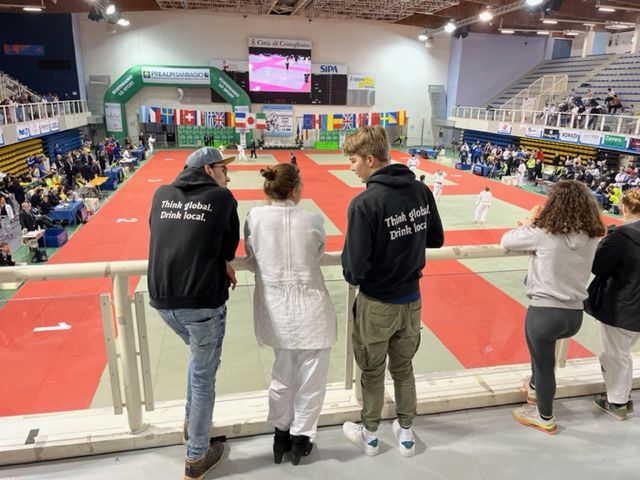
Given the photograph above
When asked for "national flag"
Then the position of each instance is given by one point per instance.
(176, 117)
(348, 121)
(308, 121)
(215, 119)
(329, 122)
(374, 118)
(241, 120)
(317, 122)
(167, 116)
(337, 121)
(387, 118)
(363, 119)
(324, 122)
(231, 121)
(154, 114)
(188, 117)
(250, 121)
(261, 120)
(402, 117)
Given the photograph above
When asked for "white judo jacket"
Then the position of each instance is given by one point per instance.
(291, 305)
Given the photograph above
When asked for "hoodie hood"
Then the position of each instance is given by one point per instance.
(576, 240)
(396, 175)
(191, 178)
(631, 231)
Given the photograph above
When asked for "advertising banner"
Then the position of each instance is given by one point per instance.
(505, 128)
(287, 43)
(615, 141)
(45, 127)
(590, 138)
(54, 124)
(551, 134)
(173, 75)
(634, 144)
(34, 129)
(533, 131)
(361, 82)
(328, 69)
(113, 117)
(569, 136)
(22, 131)
(279, 120)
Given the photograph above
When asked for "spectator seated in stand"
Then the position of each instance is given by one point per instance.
(5, 255)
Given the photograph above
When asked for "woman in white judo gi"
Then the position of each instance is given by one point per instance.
(413, 163)
(482, 205)
(438, 183)
(522, 170)
(293, 312)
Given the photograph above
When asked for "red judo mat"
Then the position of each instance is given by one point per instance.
(52, 352)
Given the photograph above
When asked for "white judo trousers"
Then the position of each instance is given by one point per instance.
(481, 212)
(298, 385)
(616, 361)
(241, 154)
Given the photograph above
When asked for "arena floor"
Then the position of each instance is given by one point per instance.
(473, 311)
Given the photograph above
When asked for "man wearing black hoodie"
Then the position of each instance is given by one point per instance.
(390, 225)
(195, 231)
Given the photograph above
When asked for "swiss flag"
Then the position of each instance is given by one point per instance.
(188, 117)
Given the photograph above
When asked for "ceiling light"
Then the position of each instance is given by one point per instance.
(607, 9)
(423, 37)
(572, 34)
(429, 43)
(111, 9)
(543, 32)
(589, 24)
(508, 32)
(534, 3)
(486, 16)
(32, 9)
(550, 22)
(450, 27)
(619, 26)
(123, 22)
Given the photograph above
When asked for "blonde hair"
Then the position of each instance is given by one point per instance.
(368, 141)
(631, 201)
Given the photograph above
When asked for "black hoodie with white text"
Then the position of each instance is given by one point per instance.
(389, 226)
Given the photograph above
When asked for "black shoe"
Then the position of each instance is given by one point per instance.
(197, 470)
(301, 447)
(281, 444)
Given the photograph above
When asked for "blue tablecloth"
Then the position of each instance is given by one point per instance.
(72, 212)
(115, 173)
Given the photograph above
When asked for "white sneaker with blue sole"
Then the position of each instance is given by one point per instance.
(405, 438)
(361, 438)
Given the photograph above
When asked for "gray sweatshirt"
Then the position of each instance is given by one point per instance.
(559, 265)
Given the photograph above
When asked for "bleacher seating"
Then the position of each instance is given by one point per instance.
(13, 158)
(67, 140)
(578, 69)
(622, 75)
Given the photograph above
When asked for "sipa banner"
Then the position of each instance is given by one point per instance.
(328, 69)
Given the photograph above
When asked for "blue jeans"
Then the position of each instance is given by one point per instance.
(203, 330)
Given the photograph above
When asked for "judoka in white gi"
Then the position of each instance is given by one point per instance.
(482, 205)
(438, 183)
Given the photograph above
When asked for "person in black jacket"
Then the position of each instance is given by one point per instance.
(389, 226)
(195, 231)
(617, 305)
(5, 255)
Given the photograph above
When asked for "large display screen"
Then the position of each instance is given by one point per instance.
(279, 70)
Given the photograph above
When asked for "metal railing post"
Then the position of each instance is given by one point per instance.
(126, 343)
(348, 332)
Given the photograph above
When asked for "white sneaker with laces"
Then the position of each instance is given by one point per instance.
(361, 437)
(405, 439)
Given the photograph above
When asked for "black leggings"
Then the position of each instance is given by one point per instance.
(543, 326)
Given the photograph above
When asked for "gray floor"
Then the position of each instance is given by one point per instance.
(478, 444)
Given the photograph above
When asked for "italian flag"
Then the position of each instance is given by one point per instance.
(261, 121)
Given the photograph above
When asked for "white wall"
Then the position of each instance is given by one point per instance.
(402, 66)
(490, 63)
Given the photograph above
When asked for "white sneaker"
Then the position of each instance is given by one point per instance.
(405, 439)
(360, 437)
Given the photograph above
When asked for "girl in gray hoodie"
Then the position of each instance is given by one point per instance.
(562, 237)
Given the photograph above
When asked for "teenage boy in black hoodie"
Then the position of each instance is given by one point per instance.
(390, 225)
(195, 231)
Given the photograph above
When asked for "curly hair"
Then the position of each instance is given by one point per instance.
(570, 208)
(631, 201)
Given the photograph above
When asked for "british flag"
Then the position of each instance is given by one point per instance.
(216, 119)
(348, 121)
